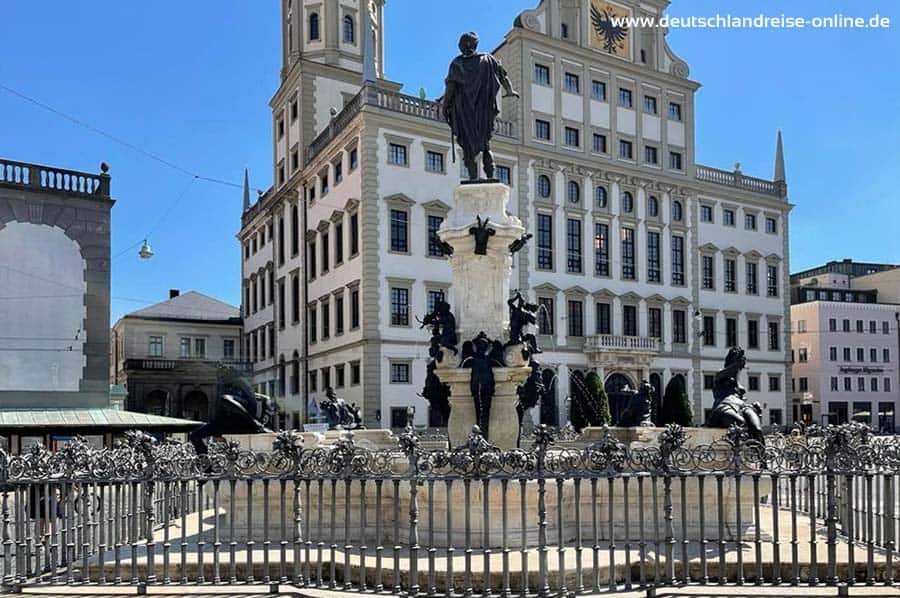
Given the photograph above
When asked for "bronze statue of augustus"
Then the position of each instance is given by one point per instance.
(470, 102)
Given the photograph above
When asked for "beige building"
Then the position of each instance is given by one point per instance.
(166, 355)
(645, 264)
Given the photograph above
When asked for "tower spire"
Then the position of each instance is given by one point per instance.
(779, 178)
(246, 189)
(369, 74)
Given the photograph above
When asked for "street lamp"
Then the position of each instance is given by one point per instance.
(145, 252)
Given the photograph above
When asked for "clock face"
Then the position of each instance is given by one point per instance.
(607, 36)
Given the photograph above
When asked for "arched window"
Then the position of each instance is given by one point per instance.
(676, 211)
(652, 206)
(314, 26)
(349, 36)
(543, 186)
(574, 192)
(627, 202)
(600, 196)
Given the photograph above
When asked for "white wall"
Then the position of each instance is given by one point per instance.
(42, 309)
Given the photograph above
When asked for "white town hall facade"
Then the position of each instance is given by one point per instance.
(646, 264)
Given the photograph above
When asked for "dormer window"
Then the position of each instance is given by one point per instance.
(314, 27)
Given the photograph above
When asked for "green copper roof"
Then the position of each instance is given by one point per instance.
(84, 418)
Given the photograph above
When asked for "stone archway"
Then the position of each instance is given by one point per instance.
(619, 389)
(195, 406)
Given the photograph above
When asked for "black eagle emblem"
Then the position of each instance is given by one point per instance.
(612, 35)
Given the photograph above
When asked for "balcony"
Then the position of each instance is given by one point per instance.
(47, 179)
(627, 344)
(735, 178)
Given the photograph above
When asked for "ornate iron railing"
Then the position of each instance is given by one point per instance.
(553, 518)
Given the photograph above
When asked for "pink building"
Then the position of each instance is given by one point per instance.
(846, 346)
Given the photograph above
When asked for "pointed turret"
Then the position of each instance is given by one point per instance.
(779, 178)
(246, 189)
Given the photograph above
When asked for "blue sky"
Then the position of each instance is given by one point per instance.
(190, 82)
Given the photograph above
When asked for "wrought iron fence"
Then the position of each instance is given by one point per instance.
(553, 518)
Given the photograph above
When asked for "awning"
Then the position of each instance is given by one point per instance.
(91, 418)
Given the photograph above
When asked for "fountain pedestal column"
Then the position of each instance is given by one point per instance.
(481, 292)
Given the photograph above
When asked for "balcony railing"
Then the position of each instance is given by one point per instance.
(171, 364)
(370, 95)
(737, 179)
(614, 342)
(22, 175)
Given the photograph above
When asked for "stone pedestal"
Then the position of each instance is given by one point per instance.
(503, 423)
(481, 282)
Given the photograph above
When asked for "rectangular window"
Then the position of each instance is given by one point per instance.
(355, 374)
(544, 242)
(629, 320)
(354, 309)
(846, 353)
(654, 322)
(653, 261)
(774, 383)
(679, 326)
(731, 333)
(338, 243)
(601, 249)
(156, 346)
(803, 355)
(677, 260)
(325, 256)
(886, 355)
(504, 175)
(572, 137)
(572, 84)
(313, 380)
(771, 226)
(576, 318)
(339, 315)
(873, 327)
(873, 384)
(709, 331)
(399, 306)
(804, 384)
(771, 281)
(184, 347)
(847, 384)
(832, 353)
(628, 253)
(545, 315)
(625, 98)
(324, 183)
(730, 275)
(541, 74)
(674, 111)
(598, 90)
(753, 383)
(400, 375)
(338, 172)
(728, 217)
(399, 231)
(228, 347)
(750, 221)
(885, 327)
(339, 376)
(774, 342)
(599, 144)
(709, 381)
(354, 159)
(859, 326)
(649, 104)
(311, 259)
(626, 149)
(860, 354)
(675, 162)
(200, 347)
(397, 154)
(434, 161)
(295, 299)
(435, 296)
(650, 154)
(434, 245)
(604, 318)
(834, 383)
(708, 278)
(832, 325)
(706, 214)
(313, 323)
(354, 234)
(573, 245)
(542, 129)
(326, 320)
(751, 279)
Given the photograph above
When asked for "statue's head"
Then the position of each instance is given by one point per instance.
(735, 355)
(468, 43)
